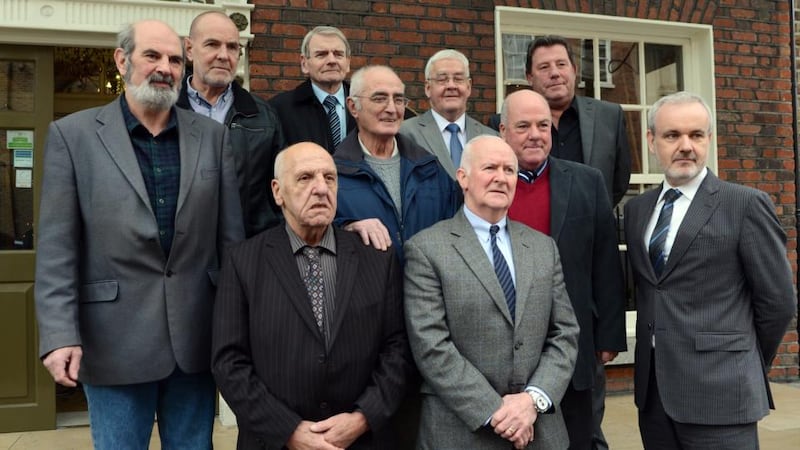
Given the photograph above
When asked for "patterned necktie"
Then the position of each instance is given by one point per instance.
(659, 237)
(503, 274)
(455, 143)
(333, 119)
(314, 285)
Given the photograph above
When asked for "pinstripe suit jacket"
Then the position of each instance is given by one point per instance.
(424, 131)
(270, 359)
(466, 346)
(719, 309)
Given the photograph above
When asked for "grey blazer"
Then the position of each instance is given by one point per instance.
(102, 280)
(719, 309)
(605, 143)
(424, 131)
(465, 345)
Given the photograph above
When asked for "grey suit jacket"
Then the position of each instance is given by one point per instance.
(605, 143)
(424, 131)
(465, 345)
(102, 279)
(719, 309)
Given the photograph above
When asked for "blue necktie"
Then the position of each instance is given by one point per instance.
(503, 274)
(333, 119)
(659, 237)
(455, 144)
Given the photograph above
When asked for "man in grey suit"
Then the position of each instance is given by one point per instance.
(567, 200)
(138, 200)
(713, 291)
(488, 317)
(445, 128)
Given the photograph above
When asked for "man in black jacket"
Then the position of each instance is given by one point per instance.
(316, 109)
(255, 130)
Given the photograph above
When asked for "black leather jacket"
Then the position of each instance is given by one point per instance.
(256, 138)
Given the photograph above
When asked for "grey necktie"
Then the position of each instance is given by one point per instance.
(333, 119)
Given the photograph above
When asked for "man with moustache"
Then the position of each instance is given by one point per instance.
(310, 348)
(316, 110)
(255, 132)
(138, 200)
(389, 187)
(567, 201)
(445, 128)
(714, 291)
(489, 321)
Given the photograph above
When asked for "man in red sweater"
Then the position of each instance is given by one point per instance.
(568, 201)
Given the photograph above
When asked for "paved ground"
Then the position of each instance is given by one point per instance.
(779, 431)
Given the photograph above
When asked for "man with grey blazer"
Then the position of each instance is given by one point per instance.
(713, 291)
(445, 128)
(138, 200)
(488, 317)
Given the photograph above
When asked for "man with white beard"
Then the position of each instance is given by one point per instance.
(138, 199)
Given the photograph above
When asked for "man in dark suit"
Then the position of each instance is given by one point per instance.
(315, 111)
(567, 200)
(585, 129)
(138, 200)
(714, 291)
(489, 321)
(253, 126)
(445, 128)
(309, 345)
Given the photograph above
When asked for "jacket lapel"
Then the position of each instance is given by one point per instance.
(524, 261)
(702, 207)
(430, 132)
(560, 186)
(282, 262)
(190, 141)
(586, 119)
(467, 245)
(346, 270)
(113, 133)
(639, 218)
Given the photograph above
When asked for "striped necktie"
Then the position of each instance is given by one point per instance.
(503, 273)
(455, 143)
(333, 119)
(659, 237)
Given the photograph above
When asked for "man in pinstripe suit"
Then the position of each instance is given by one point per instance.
(309, 344)
(714, 292)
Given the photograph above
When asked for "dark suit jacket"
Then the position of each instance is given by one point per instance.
(719, 309)
(270, 359)
(102, 280)
(304, 118)
(583, 226)
(604, 141)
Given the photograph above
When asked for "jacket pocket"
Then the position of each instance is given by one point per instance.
(99, 291)
(723, 342)
(213, 275)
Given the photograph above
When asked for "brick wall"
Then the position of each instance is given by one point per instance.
(752, 60)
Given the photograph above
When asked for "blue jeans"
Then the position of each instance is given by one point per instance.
(121, 417)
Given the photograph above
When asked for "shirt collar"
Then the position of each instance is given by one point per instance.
(328, 241)
(366, 151)
(322, 95)
(529, 176)
(689, 189)
(132, 123)
(195, 95)
(441, 122)
(480, 225)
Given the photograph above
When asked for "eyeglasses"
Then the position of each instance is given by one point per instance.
(442, 80)
(383, 99)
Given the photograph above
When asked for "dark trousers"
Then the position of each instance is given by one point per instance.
(660, 432)
(576, 406)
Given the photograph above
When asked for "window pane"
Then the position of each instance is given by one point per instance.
(86, 71)
(663, 70)
(623, 73)
(16, 192)
(17, 82)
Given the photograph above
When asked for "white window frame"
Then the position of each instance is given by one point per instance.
(696, 41)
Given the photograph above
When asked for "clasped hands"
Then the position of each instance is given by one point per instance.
(334, 433)
(514, 419)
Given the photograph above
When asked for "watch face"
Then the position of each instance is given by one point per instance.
(541, 404)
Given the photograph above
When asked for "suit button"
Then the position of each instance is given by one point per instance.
(649, 326)
(323, 405)
(321, 359)
(169, 273)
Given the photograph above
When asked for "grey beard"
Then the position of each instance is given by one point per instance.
(154, 99)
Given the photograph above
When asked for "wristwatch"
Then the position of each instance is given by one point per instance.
(539, 402)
